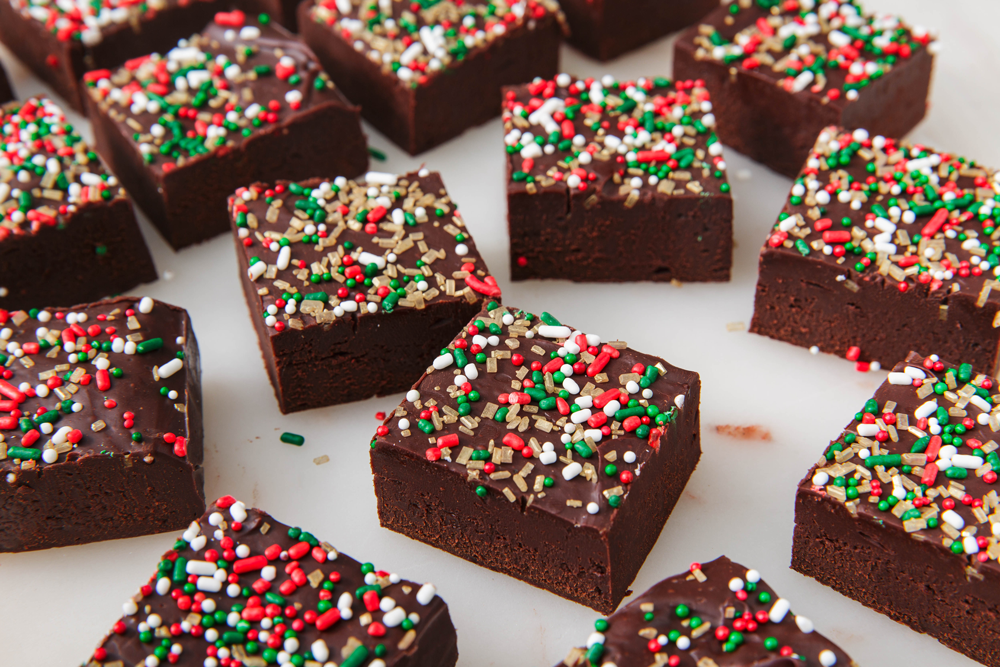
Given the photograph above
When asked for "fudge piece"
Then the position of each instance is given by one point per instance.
(540, 452)
(68, 234)
(424, 73)
(60, 41)
(265, 595)
(900, 513)
(100, 429)
(242, 101)
(883, 247)
(605, 29)
(354, 286)
(716, 613)
(780, 72)
(6, 94)
(616, 181)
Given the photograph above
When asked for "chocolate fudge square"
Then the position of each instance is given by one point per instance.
(6, 94)
(780, 72)
(242, 101)
(901, 511)
(605, 29)
(355, 285)
(540, 452)
(61, 41)
(68, 234)
(424, 73)
(100, 423)
(884, 246)
(717, 613)
(615, 181)
(241, 588)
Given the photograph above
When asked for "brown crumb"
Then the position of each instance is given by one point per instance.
(750, 432)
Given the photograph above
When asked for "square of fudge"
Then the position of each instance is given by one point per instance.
(241, 101)
(425, 74)
(615, 181)
(355, 285)
(239, 587)
(6, 94)
(716, 613)
(540, 452)
(901, 511)
(68, 233)
(882, 247)
(100, 423)
(605, 29)
(61, 41)
(781, 72)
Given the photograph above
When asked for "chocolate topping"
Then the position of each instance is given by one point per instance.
(122, 390)
(920, 456)
(619, 139)
(238, 584)
(720, 614)
(831, 50)
(321, 250)
(237, 78)
(495, 408)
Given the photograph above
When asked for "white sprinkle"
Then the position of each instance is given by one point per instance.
(170, 368)
(549, 331)
(426, 594)
(443, 361)
(380, 178)
(572, 470)
(145, 305)
(778, 610)
(953, 519)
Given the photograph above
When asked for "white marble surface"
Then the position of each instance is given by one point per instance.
(57, 604)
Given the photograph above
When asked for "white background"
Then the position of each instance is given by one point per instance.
(56, 605)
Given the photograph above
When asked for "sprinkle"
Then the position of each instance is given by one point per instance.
(294, 439)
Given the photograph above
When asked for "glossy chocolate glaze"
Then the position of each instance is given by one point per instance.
(603, 130)
(968, 491)
(96, 412)
(708, 597)
(265, 66)
(513, 473)
(281, 576)
(409, 227)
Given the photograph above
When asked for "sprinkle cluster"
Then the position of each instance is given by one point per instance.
(321, 250)
(531, 409)
(239, 77)
(414, 40)
(85, 21)
(648, 135)
(895, 210)
(830, 49)
(47, 171)
(239, 588)
(920, 455)
(58, 376)
(718, 611)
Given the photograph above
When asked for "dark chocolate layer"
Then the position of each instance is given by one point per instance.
(6, 93)
(613, 180)
(425, 74)
(240, 585)
(718, 614)
(605, 29)
(100, 399)
(67, 231)
(508, 439)
(780, 73)
(903, 232)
